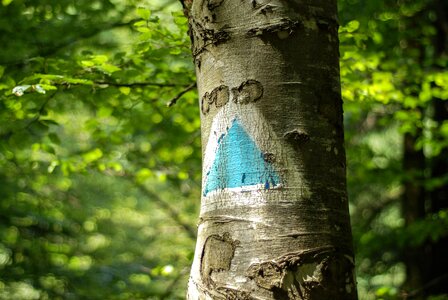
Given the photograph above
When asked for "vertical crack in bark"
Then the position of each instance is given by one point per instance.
(186, 5)
(329, 106)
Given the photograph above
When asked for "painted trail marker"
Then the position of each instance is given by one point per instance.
(239, 164)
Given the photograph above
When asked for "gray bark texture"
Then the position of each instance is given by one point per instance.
(274, 221)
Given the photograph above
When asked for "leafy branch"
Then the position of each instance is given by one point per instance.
(171, 211)
(183, 92)
(54, 49)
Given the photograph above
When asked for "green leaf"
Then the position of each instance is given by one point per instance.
(143, 174)
(78, 81)
(140, 23)
(144, 13)
(109, 68)
(48, 87)
(54, 138)
(180, 20)
(87, 63)
(117, 167)
(6, 2)
(352, 26)
(105, 111)
(125, 90)
(93, 155)
(48, 148)
(142, 29)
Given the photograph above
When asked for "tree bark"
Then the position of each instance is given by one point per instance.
(274, 221)
(436, 277)
(413, 206)
(426, 263)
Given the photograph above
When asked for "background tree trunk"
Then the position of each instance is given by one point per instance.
(436, 276)
(274, 220)
(413, 206)
(426, 263)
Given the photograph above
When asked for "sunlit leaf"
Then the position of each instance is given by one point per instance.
(92, 155)
(144, 13)
(20, 90)
(6, 2)
(352, 26)
(125, 90)
(38, 88)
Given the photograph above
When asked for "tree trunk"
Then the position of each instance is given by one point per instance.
(274, 220)
(436, 277)
(426, 263)
(413, 205)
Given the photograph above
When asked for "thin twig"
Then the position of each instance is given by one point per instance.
(415, 293)
(41, 111)
(49, 51)
(9, 133)
(170, 289)
(136, 84)
(174, 214)
(183, 92)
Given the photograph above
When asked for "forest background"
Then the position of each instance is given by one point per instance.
(100, 165)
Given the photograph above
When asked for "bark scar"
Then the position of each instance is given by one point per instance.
(285, 25)
(297, 135)
(310, 274)
(219, 96)
(203, 37)
(249, 91)
(217, 255)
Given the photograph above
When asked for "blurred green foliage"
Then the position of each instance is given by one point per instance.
(100, 179)
(394, 59)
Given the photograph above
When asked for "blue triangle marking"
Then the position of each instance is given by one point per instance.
(238, 163)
